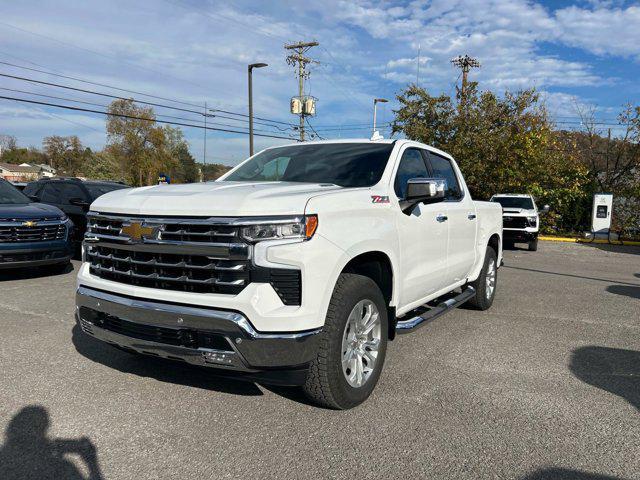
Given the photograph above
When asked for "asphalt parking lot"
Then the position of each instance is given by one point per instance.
(545, 385)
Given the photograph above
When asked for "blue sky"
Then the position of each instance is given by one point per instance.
(583, 54)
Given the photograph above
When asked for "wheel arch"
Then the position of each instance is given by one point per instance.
(377, 266)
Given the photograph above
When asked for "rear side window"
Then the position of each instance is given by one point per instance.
(411, 166)
(443, 169)
(61, 193)
(31, 189)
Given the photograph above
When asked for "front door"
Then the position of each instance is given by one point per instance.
(423, 236)
(461, 250)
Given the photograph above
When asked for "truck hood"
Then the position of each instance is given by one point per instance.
(226, 199)
(30, 211)
(515, 212)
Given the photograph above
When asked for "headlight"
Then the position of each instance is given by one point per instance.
(302, 229)
(532, 221)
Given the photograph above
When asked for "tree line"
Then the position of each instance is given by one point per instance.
(137, 151)
(509, 144)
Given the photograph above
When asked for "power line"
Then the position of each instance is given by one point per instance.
(77, 79)
(106, 106)
(116, 97)
(79, 109)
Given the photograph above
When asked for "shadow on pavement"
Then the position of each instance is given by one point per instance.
(612, 369)
(625, 290)
(29, 453)
(26, 273)
(158, 368)
(566, 474)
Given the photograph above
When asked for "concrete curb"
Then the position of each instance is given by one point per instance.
(580, 240)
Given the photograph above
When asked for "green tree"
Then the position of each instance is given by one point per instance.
(212, 171)
(65, 154)
(140, 147)
(101, 166)
(502, 144)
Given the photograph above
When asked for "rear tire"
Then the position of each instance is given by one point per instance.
(350, 358)
(533, 245)
(486, 283)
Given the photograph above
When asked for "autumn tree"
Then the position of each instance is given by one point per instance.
(502, 144)
(141, 148)
(65, 154)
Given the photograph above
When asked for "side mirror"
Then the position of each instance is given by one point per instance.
(422, 190)
(35, 198)
(79, 202)
(544, 209)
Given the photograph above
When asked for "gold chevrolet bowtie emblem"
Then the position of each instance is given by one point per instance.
(137, 231)
(29, 223)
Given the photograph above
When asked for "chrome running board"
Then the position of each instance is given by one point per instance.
(413, 323)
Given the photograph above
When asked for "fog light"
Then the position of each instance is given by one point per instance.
(221, 358)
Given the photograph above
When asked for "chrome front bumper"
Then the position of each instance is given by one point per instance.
(196, 335)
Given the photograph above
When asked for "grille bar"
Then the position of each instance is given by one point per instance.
(14, 232)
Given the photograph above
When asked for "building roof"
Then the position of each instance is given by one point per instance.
(19, 168)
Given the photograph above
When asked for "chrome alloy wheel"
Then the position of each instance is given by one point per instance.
(361, 342)
(491, 278)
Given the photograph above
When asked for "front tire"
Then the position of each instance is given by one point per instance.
(533, 245)
(486, 283)
(353, 345)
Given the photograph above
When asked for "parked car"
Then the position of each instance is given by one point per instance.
(521, 219)
(297, 266)
(32, 234)
(71, 195)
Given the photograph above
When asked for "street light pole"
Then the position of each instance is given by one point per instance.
(375, 108)
(250, 74)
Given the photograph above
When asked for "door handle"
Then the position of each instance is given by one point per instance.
(441, 218)
(471, 216)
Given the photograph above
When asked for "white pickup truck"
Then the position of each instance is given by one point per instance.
(296, 267)
(520, 218)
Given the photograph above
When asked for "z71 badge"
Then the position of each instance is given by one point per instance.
(379, 199)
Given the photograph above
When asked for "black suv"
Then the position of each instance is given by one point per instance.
(71, 195)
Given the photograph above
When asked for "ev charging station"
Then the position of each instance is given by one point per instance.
(601, 214)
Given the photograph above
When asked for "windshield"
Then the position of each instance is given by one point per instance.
(9, 195)
(514, 202)
(344, 164)
(97, 189)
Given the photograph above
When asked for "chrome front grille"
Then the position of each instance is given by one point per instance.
(185, 254)
(196, 230)
(189, 273)
(22, 231)
(199, 255)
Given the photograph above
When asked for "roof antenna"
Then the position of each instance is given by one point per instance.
(376, 136)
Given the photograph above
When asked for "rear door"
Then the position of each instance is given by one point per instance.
(423, 238)
(462, 221)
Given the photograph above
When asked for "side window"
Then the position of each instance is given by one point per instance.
(69, 191)
(50, 193)
(411, 166)
(443, 169)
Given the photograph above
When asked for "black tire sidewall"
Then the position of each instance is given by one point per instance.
(354, 289)
(482, 302)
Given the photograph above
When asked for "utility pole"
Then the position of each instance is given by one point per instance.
(298, 58)
(465, 63)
